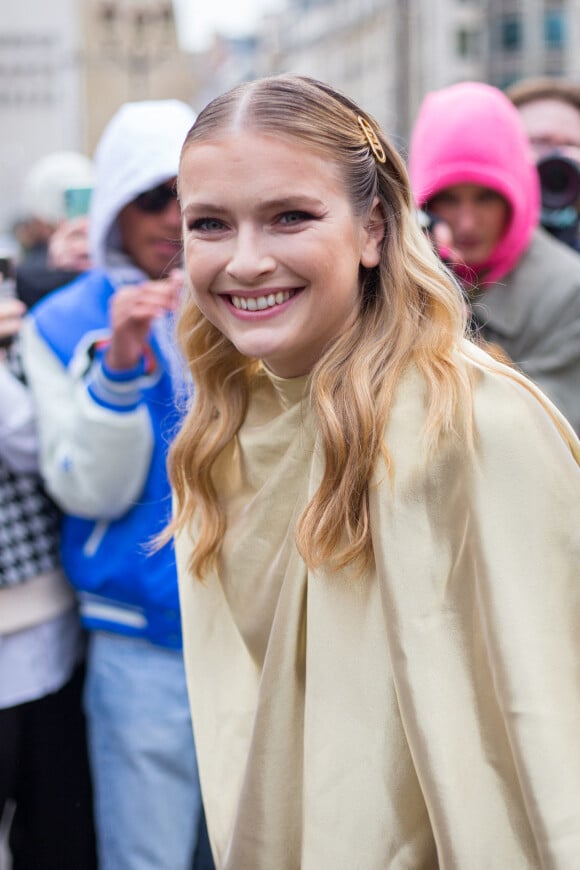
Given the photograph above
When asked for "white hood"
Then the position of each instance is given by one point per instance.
(139, 149)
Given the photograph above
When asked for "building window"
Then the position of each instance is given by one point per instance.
(554, 29)
(462, 41)
(468, 42)
(511, 33)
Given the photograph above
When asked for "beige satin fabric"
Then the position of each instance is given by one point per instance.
(426, 715)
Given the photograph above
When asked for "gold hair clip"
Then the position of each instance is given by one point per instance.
(372, 139)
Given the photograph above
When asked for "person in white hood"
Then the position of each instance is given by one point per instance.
(101, 364)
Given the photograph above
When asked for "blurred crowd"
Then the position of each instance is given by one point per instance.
(95, 730)
(97, 754)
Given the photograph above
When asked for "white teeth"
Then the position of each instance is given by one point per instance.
(260, 303)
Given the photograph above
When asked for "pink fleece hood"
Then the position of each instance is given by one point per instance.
(470, 133)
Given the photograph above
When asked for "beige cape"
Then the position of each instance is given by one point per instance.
(426, 715)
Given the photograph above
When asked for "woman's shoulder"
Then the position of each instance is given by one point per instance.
(510, 411)
(521, 447)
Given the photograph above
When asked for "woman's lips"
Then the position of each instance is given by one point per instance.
(262, 302)
(468, 243)
(269, 300)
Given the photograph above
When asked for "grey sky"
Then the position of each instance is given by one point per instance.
(199, 19)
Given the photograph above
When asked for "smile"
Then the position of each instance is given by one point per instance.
(261, 303)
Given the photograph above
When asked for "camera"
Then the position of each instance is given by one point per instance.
(560, 190)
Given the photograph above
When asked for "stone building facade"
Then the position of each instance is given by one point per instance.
(388, 53)
(67, 65)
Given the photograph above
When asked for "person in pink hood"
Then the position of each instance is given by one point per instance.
(471, 166)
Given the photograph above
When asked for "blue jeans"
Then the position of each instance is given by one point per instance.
(146, 784)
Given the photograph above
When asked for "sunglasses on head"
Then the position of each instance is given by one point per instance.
(157, 199)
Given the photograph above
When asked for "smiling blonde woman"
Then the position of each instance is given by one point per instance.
(376, 524)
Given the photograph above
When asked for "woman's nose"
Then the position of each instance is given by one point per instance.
(467, 218)
(250, 258)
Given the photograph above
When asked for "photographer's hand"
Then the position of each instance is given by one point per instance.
(440, 236)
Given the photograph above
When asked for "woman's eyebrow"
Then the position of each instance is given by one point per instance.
(293, 201)
(198, 207)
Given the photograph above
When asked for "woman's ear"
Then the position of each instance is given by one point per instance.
(374, 233)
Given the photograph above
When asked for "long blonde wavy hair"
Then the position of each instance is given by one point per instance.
(411, 310)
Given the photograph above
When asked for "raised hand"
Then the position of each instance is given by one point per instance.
(68, 247)
(133, 309)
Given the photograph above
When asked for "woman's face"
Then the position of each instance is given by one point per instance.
(477, 217)
(272, 248)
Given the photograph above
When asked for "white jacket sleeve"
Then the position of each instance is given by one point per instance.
(18, 443)
(94, 459)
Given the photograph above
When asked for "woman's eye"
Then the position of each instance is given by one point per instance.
(489, 196)
(206, 225)
(290, 218)
(442, 199)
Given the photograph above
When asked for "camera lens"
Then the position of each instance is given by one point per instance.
(559, 181)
